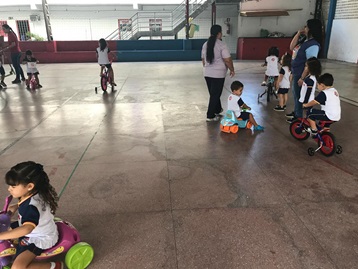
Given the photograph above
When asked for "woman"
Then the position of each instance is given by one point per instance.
(216, 60)
(15, 53)
(302, 51)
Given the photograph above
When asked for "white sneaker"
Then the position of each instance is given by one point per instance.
(216, 118)
(263, 83)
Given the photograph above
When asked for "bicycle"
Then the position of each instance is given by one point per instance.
(326, 141)
(32, 83)
(269, 90)
(105, 80)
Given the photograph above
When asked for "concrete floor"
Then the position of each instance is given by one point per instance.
(150, 184)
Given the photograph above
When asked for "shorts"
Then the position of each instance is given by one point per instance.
(24, 245)
(30, 74)
(244, 115)
(282, 91)
(317, 114)
(109, 66)
(2, 71)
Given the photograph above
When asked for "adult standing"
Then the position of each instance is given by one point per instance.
(15, 53)
(216, 61)
(302, 51)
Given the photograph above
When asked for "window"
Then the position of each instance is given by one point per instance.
(23, 27)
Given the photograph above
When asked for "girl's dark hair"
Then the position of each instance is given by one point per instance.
(214, 31)
(326, 79)
(102, 44)
(314, 66)
(7, 27)
(236, 85)
(28, 52)
(31, 172)
(315, 30)
(286, 60)
(273, 51)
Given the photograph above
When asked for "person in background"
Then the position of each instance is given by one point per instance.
(15, 53)
(283, 82)
(271, 63)
(216, 61)
(301, 52)
(103, 60)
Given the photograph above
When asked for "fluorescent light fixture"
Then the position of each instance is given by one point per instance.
(135, 5)
(33, 6)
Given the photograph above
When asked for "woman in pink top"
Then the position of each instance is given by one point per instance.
(216, 61)
(15, 53)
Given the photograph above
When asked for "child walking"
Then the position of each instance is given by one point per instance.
(236, 104)
(31, 62)
(328, 98)
(271, 63)
(103, 60)
(35, 229)
(283, 82)
(2, 72)
(314, 69)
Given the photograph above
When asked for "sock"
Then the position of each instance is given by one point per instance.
(53, 265)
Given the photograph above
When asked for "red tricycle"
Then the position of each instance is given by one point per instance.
(78, 254)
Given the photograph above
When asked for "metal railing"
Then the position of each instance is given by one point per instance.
(159, 23)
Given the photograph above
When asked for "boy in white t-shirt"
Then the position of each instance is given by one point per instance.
(236, 104)
(329, 100)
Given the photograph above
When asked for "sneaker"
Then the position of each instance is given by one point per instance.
(284, 107)
(114, 84)
(216, 118)
(221, 111)
(263, 83)
(23, 79)
(290, 115)
(0, 87)
(39, 86)
(3, 84)
(290, 120)
(312, 132)
(16, 81)
(259, 128)
(59, 265)
(278, 108)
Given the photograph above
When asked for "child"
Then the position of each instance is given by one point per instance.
(329, 100)
(2, 72)
(29, 60)
(235, 104)
(308, 88)
(103, 60)
(314, 68)
(35, 227)
(283, 82)
(271, 63)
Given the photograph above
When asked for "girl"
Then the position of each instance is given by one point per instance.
(271, 63)
(313, 68)
(35, 228)
(283, 82)
(31, 70)
(15, 53)
(102, 56)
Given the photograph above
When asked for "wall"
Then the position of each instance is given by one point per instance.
(344, 41)
(250, 26)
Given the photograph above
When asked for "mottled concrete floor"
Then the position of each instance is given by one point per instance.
(150, 184)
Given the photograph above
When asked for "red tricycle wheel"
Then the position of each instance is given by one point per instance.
(329, 144)
(297, 131)
(104, 81)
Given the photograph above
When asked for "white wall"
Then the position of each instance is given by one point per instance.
(288, 25)
(344, 41)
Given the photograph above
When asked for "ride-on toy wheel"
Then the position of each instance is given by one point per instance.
(104, 83)
(234, 129)
(329, 144)
(248, 125)
(225, 129)
(311, 151)
(339, 149)
(297, 131)
(79, 256)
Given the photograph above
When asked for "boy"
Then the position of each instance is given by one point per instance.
(31, 69)
(329, 100)
(235, 104)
